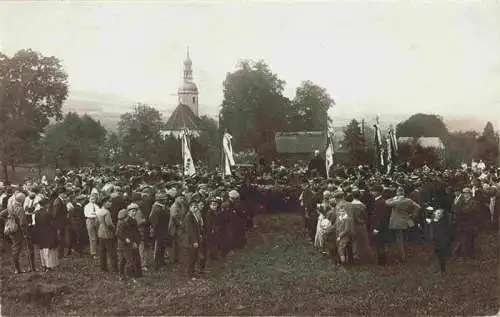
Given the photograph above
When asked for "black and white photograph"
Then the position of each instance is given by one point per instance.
(249, 158)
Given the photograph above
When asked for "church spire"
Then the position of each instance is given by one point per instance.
(188, 71)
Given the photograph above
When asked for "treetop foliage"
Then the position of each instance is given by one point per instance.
(34, 87)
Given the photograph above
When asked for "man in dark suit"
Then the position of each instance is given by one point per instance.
(191, 239)
(317, 166)
(76, 226)
(379, 223)
(159, 219)
(60, 214)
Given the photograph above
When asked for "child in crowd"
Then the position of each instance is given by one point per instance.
(129, 237)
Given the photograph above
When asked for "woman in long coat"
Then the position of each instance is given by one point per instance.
(46, 236)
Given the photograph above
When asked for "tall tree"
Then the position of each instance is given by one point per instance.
(170, 150)
(208, 143)
(75, 141)
(33, 89)
(254, 107)
(112, 148)
(487, 145)
(462, 147)
(353, 144)
(309, 108)
(140, 134)
(489, 131)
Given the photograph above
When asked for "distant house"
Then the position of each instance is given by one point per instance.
(434, 143)
(305, 142)
(293, 146)
(426, 142)
(301, 145)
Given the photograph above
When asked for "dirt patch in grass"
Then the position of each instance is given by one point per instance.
(278, 274)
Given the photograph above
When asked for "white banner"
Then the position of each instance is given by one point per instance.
(189, 169)
(228, 153)
(228, 148)
(329, 155)
(227, 166)
(389, 154)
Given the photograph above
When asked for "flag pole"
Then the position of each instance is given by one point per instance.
(182, 155)
(221, 136)
(222, 161)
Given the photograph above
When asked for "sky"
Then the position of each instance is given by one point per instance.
(373, 57)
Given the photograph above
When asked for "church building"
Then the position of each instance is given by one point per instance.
(185, 115)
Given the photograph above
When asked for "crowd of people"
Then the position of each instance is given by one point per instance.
(133, 218)
(355, 216)
(128, 216)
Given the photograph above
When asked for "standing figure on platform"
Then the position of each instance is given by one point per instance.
(317, 166)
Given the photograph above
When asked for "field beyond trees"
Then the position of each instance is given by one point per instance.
(279, 273)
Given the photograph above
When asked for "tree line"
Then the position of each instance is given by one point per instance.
(33, 128)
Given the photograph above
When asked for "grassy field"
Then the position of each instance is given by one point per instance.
(278, 274)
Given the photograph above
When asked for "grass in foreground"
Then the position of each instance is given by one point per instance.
(278, 274)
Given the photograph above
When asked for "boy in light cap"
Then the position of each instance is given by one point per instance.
(129, 237)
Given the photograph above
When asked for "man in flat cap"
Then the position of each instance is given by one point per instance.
(178, 211)
(77, 225)
(380, 223)
(403, 215)
(159, 221)
(16, 228)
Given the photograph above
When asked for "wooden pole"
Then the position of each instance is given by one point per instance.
(182, 156)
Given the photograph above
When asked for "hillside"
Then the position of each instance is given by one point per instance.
(106, 107)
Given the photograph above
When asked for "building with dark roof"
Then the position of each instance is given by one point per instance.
(303, 142)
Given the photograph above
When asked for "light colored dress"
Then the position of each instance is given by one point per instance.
(321, 232)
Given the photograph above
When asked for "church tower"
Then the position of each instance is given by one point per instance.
(188, 92)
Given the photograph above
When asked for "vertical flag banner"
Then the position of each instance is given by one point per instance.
(389, 153)
(188, 164)
(329, 154)
(228, 153)
(394, 140)
(378, 145)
